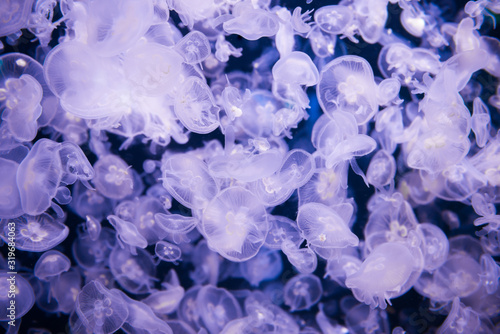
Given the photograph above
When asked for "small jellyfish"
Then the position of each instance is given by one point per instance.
(116, 25)
(34, 233)
(461, 319)
(347, 84)
(195, 106)
(266, 265)
(490, 273)
(141, 318)
(382, 169)
(166, 301)
(383, 272)
(134, 273)
(235, 224)
(281, 229)
(326, 227)
(304, 71)
(90, 253)
(434, 246)
(15, 288)
(302, 291)
(251, 23)
(127, 232)
(216, 307)
(51, 264)
(188, 180)
(20, 102)
(194, 47)
(101, 310)
(14, 15)
(363, 319)
(10, 200)
(334, 19)
(168, 252)
(113, 177)
(65, 289)
(303, 259)
(152, 67)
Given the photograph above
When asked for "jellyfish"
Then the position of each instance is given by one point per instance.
(251, 23)
(152, 67)
(10, 200)
(194, 47)
(347, 84)
(188, 180)
(303, 259)
(52, 263)
(168, 252)
(14, 15)
(266, 265)
(302, 291)
(20, 102)
(281, 229)
(382, 274)
(166, 301)
(195, 106)
(134, 273)
(113, 177)
(127, 232)
(16, 297)
(99, 309)
(326, 227)
(460, 319)
(235, 224)
(35, 233)
(216, 307)
(90, 253)
(382, 169)
(304, 73)
(65, 289)
(334, 19)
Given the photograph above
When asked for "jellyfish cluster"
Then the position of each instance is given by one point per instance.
(249, 166)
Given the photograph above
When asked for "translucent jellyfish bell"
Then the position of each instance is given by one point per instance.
(194, 47)
(114, 26)
(135, 273)
(51, 264)
(325, 227)
(99, 309)
(188, 180)
(235, 224)
(167, 251)
(347, 84)
(382, 169)
(217, 307)
(304, 71)
(14, 15)
(333, 19)
(434, 246)
(195, 106)
(113, 177)
(35, 233)
(461, 319)
(251, 23)
(302, 292)
(10, 200)
(20, 101)
(152, 67)
(23, 296)
(384, 271)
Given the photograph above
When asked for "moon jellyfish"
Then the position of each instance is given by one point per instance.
(16, 297)
(113, 178)
(195, 106)
(302, 291)
(382, 274)
(14, 15)
(51, 263)
(168, 252)
(194, 47)
(235, 224)
(134, 273)
(251, 23)
(20, 103)
(101, 310)
(188, 180)
(347, 84)
(333, 19)
(216, 307)
(35, 233)
(460, 319)
(10, 200)
(326, 227)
